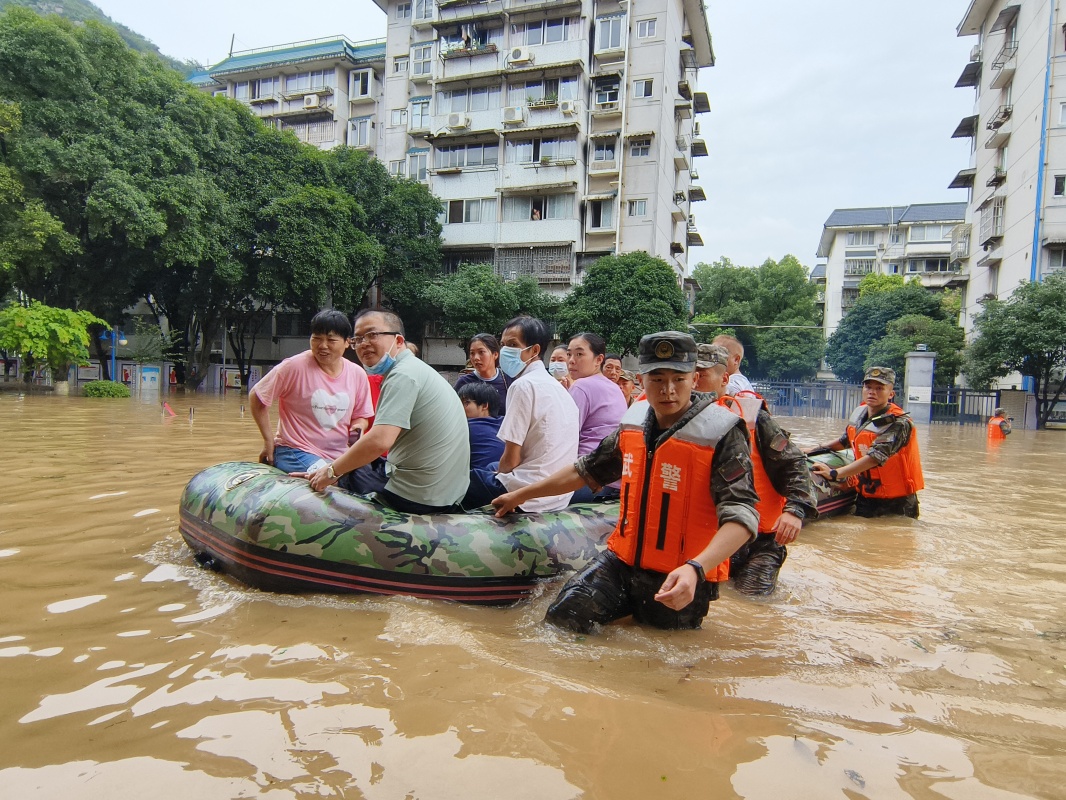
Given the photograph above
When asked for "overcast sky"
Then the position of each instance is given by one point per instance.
(814, 106)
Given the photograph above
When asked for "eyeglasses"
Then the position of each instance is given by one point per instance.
(369, 336)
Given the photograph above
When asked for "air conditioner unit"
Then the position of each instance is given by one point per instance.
(458, 121)
(520, 55)
(695, 129)
(975, 53)
(311, 101)
(514, 115)
(568, 106)
(692, 220)
(881, 247)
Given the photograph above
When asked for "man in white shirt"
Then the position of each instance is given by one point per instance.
(737, 381)
(540, 428)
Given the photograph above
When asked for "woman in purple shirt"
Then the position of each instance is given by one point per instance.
(600, 403)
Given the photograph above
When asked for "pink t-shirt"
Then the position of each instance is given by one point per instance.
(315, 411)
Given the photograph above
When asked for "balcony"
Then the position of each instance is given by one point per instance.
(681, 154)
(683, 108)
(999, 175)
(998, 138)
(684, 89)
(1004, 64)
(676, 248)
(606, 166)
(1001, 115)
(469, 52)
(960, 243)
(992, 212)
(459, 11)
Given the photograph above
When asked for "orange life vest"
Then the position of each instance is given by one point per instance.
(901, 475)
(668, 514)
(771, 504)
(994, 429)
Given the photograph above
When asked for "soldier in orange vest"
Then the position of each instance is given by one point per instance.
(688, 501)
(782, 479)
(999, 425)
(887, 467)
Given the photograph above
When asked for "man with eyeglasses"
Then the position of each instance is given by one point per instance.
(419, 422)
(323, 400)
(887, 468)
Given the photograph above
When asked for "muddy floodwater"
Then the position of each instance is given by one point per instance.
(897, 659)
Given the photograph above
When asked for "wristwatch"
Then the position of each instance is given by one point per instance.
(832, 474)
(696, 565)
(330, 473)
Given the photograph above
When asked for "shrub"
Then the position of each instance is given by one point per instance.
(105, 389)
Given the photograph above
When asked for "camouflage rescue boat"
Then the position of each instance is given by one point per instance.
(833, 498)
(275, 533)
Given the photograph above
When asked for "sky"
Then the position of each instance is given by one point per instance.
(816, 105)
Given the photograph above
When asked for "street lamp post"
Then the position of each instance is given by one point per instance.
(116, 336)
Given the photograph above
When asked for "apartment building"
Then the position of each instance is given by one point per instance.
(1016, 176)
(318, 90)
(554, 131)
(928, 241)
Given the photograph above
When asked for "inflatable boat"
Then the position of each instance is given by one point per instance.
(275, 533)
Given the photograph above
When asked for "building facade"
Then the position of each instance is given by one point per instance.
(1016, 176)
(554, 131)
(926, 241)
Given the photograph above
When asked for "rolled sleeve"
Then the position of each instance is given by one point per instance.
(603, 465)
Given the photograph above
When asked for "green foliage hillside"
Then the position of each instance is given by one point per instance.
(84, 11)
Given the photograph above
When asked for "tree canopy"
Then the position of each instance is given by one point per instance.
(867, 323)
(54, 337)
(623, 298)
(1027, 334)
(772, 309)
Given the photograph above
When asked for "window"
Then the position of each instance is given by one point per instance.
(361, 131)
(470, 36)
(642, 88)
(403, 11)
(645, 28)
(545, 31)
(552, 206)
(848, 298)
(930, 233)
(917, 265)
(423, 9)
(218, 93)
(478, 98)
(400, 64)
(523, 92)
(419, 115)
(601, 214)
(361, 82)
(467, 155)
(399, 117)
(1056, 260)
(266, 87)
(638, 208)
(858, 266)
(422, 59)
(892, 268)
(477, 210)
(1060, 186)
(639, 148)
(604, 150)
(531, 151)
(606, 91)
(398, 169)
(310, 81)
(860, 238)
(609, 33)
(242, 91)
(418, 166)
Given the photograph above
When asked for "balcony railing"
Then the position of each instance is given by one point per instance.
(1004, 55)
(1001, 115)
(960, 242)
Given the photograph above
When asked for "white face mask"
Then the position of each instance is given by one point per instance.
(558, 369)
(511, 360)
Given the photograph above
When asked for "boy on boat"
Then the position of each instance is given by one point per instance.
(688, 501)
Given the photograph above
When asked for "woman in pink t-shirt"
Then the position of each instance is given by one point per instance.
(600, 403)
(323, 400)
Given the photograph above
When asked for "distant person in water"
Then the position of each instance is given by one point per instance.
(999, 425)
(323, 400)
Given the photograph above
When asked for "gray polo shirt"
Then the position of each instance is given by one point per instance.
(430, 461)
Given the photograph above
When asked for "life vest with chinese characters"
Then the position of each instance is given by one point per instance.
(901, 475)
(770, 506)
(995, 431)
(667, 514)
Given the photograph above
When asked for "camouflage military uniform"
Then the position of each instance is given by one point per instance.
(754, 567)
(608, 588)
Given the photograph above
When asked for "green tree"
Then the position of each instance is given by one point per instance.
(623, 298)
(771, 309)
(876, 282)
(42, 335)
(475, 299)
(1026, 334)
(867, 322)
(942, 336)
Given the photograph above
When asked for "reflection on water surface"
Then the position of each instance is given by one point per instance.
(897, 659)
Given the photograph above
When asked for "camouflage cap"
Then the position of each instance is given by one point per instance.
(667, 350)
(711, 355)
(885, 375)
(628, 376)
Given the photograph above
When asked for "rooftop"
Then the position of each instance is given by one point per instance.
(883, 216)
(337, 47)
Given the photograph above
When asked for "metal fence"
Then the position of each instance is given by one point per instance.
(832, 400)
(963, 406)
